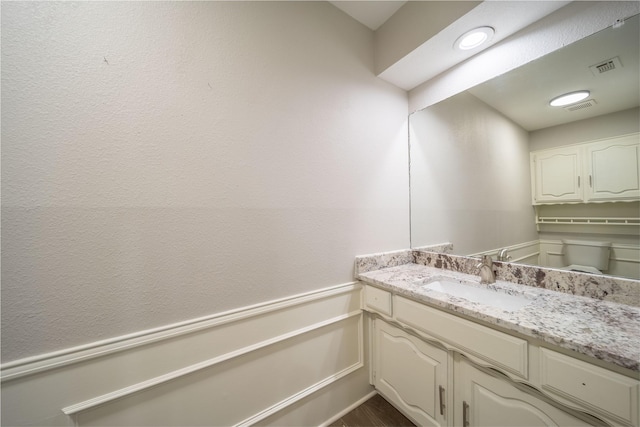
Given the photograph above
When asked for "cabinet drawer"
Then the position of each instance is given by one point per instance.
(590, 385)
(505, 351)
(378, 300)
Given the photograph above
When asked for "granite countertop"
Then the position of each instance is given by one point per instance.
(601, 329)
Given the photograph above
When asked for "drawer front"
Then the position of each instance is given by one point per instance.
(590, 385)
(378, 300)
(503, 350)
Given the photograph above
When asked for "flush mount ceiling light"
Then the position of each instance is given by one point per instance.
(474, 38)
(569, 98)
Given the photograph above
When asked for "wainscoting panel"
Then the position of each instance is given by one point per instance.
(233, 368)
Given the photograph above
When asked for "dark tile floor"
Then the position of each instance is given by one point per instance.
(374, 412)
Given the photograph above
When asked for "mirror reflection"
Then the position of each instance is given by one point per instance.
(497, 170)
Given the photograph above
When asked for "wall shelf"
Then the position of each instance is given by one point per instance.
(586, 220)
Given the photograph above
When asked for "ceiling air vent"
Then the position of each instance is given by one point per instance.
(605, 66)
(581, 105)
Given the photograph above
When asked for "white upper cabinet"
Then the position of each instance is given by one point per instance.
(556, 175)
(613, 166)
(599, 171)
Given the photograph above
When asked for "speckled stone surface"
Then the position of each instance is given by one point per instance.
(615, 289)
(601, 329)
(377, 261)
(380, 260)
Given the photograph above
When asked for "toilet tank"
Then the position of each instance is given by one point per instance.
(592, 254)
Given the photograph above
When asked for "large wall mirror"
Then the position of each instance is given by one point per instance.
(470, 156)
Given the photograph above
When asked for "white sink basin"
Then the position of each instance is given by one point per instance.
(475, 293)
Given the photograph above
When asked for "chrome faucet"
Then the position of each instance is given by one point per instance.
(503, 255)
(485, 268)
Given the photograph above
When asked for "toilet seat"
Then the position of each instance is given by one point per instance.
(582, 268)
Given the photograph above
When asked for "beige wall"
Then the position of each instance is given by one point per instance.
(605, 126)
(470, 182)
(164, 161)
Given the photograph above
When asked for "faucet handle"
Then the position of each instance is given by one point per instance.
(485, 260)
(487, 275)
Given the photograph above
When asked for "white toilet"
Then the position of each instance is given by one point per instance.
(588, 257)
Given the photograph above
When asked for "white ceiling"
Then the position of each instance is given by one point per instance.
(523, 94)
(370, 13)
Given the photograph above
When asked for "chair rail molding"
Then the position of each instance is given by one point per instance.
(293, 346)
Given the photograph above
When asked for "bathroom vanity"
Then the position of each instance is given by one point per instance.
(447, 350)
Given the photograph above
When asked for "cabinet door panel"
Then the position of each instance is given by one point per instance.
(409, 372)
(484, 400)
(557, 175)
(613, 167)
(492, 409)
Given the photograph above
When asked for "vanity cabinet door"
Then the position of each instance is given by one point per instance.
(613, 169)
(484, 400)
(411, 374)
(556, 175)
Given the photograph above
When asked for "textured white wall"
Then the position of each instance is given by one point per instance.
(470, 181)
(605, 126)
(164, 161)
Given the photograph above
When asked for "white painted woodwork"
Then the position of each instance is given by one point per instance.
(598, 171)
(613, 167)
(556, 175)
(589, 385)
(503, 350)
(378, 300)
(404, 367)
(495, 402)
(410, 372)
(234, 368)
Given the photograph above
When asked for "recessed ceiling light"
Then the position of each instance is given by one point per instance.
(474, 38)
(569, 98)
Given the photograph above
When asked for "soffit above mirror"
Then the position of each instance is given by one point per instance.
(437, 54)
(405, 54)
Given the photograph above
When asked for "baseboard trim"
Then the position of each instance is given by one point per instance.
(40, 363)
(144, 385)
(348, 409)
